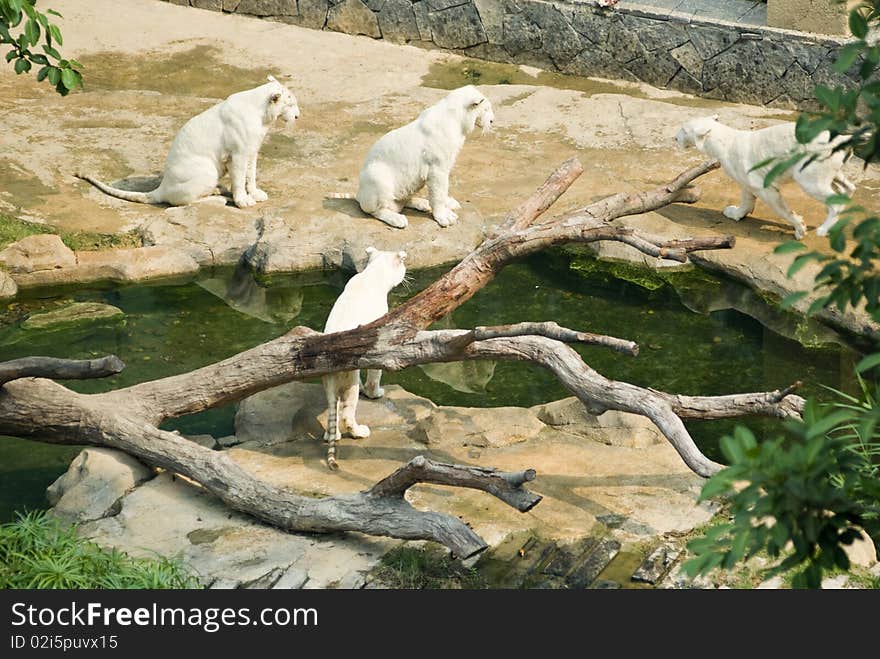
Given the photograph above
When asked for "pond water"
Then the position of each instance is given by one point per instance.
(698, 335)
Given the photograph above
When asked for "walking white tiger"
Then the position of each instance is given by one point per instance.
(364, 299)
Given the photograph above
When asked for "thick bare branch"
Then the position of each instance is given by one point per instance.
(59, 369)
(544, 197)
(550, 330)
(507, 486)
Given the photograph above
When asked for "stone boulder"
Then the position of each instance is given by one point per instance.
(173, 517)
(44, 260)
(612, 428)
(93, 485)
(37, 253)
(133, 265)
(478, 427)
(353, 17)
(218, 238)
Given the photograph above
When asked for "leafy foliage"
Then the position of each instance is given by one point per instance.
(803, 498)
(24, 28)
(38, 551)
(811, 493)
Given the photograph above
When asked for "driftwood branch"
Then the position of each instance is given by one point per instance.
(59, 369)
(550, 330)
(128, 418)
(506, 486)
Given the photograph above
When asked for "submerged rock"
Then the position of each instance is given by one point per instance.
(73, 315)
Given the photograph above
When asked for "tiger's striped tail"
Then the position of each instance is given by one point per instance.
(332, 436)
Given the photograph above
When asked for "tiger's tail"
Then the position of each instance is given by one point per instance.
(332, 434)
(127, 195)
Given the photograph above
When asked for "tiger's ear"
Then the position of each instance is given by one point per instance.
(370, 251)
(475, 104)
(401, 255)
(274, 98)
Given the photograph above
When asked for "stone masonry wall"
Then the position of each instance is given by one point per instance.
(720, 60)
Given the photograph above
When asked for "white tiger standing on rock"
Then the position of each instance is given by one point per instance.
(364, 299)
(224, 137)
(739, 151)
(421, 153)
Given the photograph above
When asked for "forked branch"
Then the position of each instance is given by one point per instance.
(128, 418)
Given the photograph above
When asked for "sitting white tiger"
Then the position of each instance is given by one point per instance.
(364, 299)
(740, 150)
(225, 136)
(421, 153)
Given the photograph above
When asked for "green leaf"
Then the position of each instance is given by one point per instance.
(11, 55)
(51, 51)
(763, 164)
(54, 75)
(69, 78)
(789, 246)
(793, 298)
(56, 34)
(800, 261)
(32, 30)
(838, 200)
(824, 425)
(41, 74)
(717, 485)
(829, 98)
(868, 362)
(780, 168)
(847, 56)
(858, 25)
(22, 65)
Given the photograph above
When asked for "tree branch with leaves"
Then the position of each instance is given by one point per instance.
(24, 28)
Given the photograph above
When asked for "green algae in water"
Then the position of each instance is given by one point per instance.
(171, 329)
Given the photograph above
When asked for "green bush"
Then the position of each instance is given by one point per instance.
(818, 487)
(38, 551)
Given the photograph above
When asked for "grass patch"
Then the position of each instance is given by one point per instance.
(13, 229)
(38, 551)
(416, 569)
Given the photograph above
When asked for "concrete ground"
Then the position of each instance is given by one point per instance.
(142, 84)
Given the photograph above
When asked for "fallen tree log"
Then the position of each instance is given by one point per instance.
(128, 418)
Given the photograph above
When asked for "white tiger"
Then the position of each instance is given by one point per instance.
(364, 299)
(740, 150)
(224, 137)
(421, 153)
